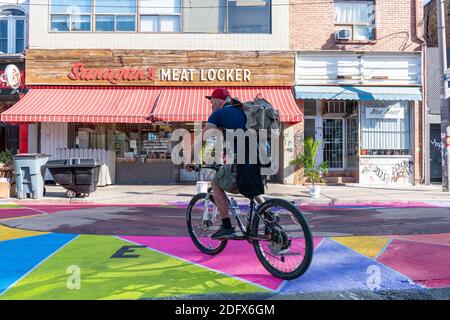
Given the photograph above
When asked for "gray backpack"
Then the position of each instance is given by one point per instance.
(260, 114)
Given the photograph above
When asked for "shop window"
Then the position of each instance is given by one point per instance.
(310, 128)
(160, 15)
(358, 17)
(336, 107)
(352, 136)
(70, 15)
(126, 141)
(12, 31)
(89, 136)
(310, 108)
(385, 128)
(156, 142)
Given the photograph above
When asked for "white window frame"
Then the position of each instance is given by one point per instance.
(159, 22)
(12, 35)
(115, 22)
(353, 25)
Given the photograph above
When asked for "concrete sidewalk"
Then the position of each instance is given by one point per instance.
(148, 194)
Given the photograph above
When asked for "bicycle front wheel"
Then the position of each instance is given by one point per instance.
(203, 220)
(285, 247)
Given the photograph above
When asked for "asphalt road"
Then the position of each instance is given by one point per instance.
(169, 221)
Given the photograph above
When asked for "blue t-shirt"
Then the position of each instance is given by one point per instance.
(228, 117)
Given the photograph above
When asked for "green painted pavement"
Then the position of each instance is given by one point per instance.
(9, 206)
(152, 275)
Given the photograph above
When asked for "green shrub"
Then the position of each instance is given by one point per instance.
(6, 156)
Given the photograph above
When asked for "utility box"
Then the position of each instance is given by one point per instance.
(28, 168)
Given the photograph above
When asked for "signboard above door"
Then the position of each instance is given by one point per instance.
(392, 112)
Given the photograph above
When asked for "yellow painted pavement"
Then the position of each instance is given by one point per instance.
(367, 246)
(7, 233)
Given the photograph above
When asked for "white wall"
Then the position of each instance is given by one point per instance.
(389, 68)
(53, 136)
(41, 38)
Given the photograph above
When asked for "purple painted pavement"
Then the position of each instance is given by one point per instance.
(337, 268)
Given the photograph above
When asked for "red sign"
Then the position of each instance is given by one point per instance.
(4, 77)
(79, 72)
(23, 138)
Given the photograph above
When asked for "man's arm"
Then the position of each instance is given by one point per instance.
(198, 142)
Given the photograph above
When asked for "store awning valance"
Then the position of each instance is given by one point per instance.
(84, 104)
(358, 93)
(180, 104)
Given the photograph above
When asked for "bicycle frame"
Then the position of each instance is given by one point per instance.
(246, 230)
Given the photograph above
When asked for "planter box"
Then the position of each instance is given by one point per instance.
(7, 190)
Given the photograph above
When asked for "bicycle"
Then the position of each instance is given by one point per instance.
(276, 228)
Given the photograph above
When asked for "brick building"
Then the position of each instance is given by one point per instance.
(359, 81)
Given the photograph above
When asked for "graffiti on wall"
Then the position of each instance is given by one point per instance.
(398, 172)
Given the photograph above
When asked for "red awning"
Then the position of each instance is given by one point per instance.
(84, 104)
(181, 104)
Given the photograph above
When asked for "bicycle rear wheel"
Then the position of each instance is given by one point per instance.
(203, 220)
(286, 245)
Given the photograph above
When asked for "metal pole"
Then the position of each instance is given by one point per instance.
(440, 4)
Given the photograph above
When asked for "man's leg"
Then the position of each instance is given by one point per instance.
(221, 200)
(226, 231)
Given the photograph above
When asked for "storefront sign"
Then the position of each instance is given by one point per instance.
(80, 73)
(11, 77)
(392, 112)
(105, 67)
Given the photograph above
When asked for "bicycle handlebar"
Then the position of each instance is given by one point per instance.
(198, 167)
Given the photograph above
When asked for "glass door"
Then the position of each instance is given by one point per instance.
(333, 143)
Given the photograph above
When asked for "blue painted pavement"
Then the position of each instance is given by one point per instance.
(20, 256)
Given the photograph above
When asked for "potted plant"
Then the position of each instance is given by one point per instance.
(314, 172)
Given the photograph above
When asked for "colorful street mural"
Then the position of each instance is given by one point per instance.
(47, 265)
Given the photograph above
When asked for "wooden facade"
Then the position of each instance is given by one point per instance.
(163, 68)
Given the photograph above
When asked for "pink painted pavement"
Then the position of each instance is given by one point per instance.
(238, 259)
(441, 239)
(426, 264)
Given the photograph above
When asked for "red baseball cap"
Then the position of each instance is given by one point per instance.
(219, 93)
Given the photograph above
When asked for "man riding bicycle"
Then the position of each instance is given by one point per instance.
(225, 116)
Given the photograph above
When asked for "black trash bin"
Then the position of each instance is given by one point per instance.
(78, 176)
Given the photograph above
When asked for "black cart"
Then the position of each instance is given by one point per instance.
(78, 176)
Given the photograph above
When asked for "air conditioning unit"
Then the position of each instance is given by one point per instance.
(344, 34)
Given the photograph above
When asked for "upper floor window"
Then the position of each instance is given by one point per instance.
(248, 16)
(357, 16)
(115, 15)
(71, 15)
(160, 15)
(206, 16)
(12, 30)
